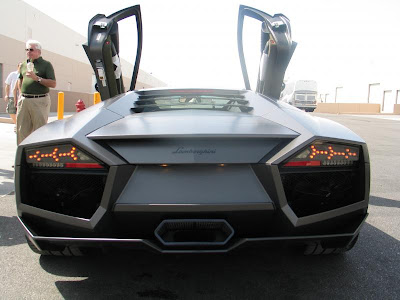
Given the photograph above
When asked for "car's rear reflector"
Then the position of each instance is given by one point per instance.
(302, 163)
(83, 166)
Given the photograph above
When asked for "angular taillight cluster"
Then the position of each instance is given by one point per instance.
(60, 156)
(325, 154)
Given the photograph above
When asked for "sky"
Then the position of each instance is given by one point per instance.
(193, 43)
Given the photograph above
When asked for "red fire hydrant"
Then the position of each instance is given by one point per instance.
(80, 105)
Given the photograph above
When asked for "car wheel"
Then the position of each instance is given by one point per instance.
(67, 251)
(318, 249)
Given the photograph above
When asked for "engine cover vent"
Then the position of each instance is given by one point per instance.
(194, 232)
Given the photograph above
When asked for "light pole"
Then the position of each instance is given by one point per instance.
(336, 89)
(369, 89)
(326, 95)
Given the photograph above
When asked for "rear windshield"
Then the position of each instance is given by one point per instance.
(207, 102)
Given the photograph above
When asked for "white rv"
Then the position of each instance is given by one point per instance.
(301, 94)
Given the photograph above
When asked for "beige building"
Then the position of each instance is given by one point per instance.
(74, 74)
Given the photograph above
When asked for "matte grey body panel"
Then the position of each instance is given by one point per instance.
(196, 208)
(193, 123)
(185, 151)
(201, 186)
(315, 125)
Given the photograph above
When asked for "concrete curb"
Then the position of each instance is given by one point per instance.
(12, 193)
(6, 120)
(52, 117)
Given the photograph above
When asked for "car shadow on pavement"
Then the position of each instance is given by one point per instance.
(11, 232)
(370, 270)
(377, 201)
(7, 173)
(9, 176)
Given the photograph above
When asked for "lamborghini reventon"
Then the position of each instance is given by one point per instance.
(191, 170)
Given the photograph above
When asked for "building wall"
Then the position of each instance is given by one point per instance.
(380, 91)
(71, 75)
(23, 22)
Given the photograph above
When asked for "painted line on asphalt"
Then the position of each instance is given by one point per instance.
(9, 194)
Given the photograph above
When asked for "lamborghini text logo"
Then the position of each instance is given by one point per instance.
(183, 150)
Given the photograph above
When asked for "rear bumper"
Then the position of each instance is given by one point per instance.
(338, 239)
(249, 199)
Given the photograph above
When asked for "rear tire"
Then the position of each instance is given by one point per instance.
(318, 249)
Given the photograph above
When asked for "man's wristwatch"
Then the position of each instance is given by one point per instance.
(39, 79)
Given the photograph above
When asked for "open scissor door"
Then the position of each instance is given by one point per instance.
(102, 50)
(277, 49)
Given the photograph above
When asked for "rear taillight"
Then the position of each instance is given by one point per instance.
(60, 156)
(325, 154)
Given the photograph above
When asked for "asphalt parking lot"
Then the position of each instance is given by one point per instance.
(370, 271)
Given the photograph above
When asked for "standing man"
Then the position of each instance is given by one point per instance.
(9, 91)
(34, 103)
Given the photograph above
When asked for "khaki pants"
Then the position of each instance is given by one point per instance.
(32, 113)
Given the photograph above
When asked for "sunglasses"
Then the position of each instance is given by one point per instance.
(30, 49)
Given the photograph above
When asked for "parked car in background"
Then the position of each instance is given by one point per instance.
(301, 94)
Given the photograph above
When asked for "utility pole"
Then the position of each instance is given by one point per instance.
(336, 89)
(369, 89)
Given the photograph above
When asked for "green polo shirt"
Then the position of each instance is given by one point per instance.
(42, 68)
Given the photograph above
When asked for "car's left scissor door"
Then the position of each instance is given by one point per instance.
(102, 50)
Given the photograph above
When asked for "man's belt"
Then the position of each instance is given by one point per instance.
(33, 96)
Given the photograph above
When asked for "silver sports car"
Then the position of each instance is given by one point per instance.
(191, 170)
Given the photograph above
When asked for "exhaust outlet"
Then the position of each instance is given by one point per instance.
(194, 232)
